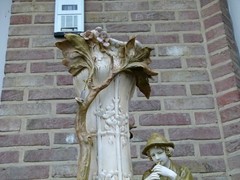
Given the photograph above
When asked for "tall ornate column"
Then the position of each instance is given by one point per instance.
(105, 73)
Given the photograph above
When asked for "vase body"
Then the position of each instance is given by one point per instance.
(107, 119)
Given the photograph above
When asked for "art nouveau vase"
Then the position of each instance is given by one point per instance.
(105, 72)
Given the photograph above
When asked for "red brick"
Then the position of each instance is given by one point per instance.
(212, 9)
(164, 119)
(55, 93)
(177, 26)
(30, 54)
(134, 153)
(24, 140)
(144, 105)
(215, 32)
(25, 109)
(64, 80)
(231, 129)
(220, 57)
(230, 113)
(234, 162)
(44, 41)
(106, 17)
(168, 90)
(121, 37)
(225, 84)
(25, 172)
(189, 103)
(206, 117)
(139, 167)
(141, 135)
(31, 30)
(18, 42)
(181, 150)
(44, 18)
(197, 133)
(205, 2)
(196, 62)
(15, 68)
(93, 6)
(44, 7)
(166, 63)
(222, 70)
(233, 145)
(158, 39)
(184, 76)
(20, 19)
(7, 124)
(201, 89)
(211, 149)
(172, 5)
(192, 38)
(65, 138)
(50, 123)
(126, 6)
(58, 154)
(196, 50)
(28, 81)
(12, 95)
(217, 45)
(32, 7)
(44, 67)
(128, 28)
(131, 120)
(187, 15)
(152, 16)
(66, 108)
(228, 98)
(64, 171)
(9, 157)
(179, 50)
(213, 20)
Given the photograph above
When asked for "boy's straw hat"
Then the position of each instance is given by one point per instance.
(156, 140)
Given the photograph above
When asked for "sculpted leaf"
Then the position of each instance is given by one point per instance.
(77, 55)
(137, 59)
(142, 74)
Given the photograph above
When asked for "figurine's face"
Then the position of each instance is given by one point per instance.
(158, 155)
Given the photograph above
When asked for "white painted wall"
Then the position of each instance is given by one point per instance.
(234, 9)
(5, 13)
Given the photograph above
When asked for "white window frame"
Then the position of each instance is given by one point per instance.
(233, 6)
(5, 13)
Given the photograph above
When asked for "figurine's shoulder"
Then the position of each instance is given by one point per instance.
(183, 173)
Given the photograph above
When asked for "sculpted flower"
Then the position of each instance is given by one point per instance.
(97, 34)
(104, 38)
(88, 35)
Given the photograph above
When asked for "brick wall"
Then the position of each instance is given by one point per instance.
(226, 78)
(194, 100)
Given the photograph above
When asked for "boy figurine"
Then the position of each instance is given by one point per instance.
(159, 150)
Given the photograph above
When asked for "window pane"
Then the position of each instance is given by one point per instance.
(69, 7)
